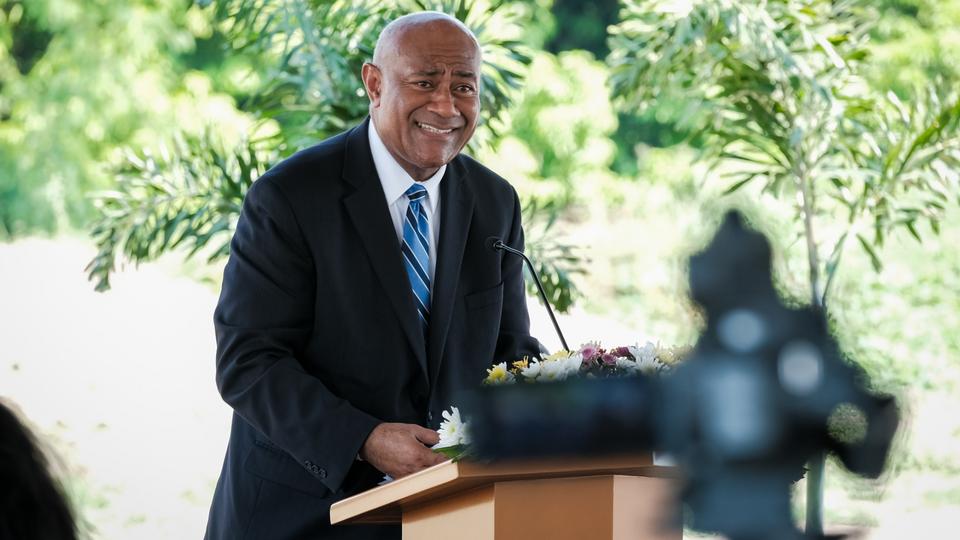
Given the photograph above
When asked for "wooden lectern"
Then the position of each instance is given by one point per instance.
(574, 499)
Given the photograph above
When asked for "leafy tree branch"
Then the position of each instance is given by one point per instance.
(188, 196)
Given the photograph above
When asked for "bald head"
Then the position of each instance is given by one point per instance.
(391, 39)
(424, 89)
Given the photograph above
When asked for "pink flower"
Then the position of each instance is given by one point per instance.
(590, 351)
(609, 359)
(621, 351)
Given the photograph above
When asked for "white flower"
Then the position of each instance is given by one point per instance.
(532, 371)
(453, 431)
(561, 368)
(650, 366)
(647, 352)
(627, 365)
(645, 360)
(499, 374)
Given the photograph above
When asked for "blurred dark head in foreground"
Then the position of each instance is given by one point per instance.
(32, 505)
(764, 390)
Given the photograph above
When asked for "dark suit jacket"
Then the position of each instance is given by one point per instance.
(318, 339)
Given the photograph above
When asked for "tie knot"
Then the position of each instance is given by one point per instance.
(416, 192)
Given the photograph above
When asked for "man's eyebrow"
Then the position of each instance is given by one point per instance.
(434, 71)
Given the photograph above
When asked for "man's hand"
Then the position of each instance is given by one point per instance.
(401, 449)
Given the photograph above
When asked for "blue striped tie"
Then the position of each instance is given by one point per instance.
(416, 251)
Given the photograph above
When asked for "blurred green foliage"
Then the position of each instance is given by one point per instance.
(583, 24)
(913, 43)
(77, 80)
(559, 133)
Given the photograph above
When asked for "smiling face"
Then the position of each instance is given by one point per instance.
(424, 93)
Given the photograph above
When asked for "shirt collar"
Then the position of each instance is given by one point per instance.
(394, 179)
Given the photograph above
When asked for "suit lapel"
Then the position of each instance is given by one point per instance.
(368, 210)
(456, 213)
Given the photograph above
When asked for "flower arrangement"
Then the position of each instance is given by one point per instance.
(590, 361)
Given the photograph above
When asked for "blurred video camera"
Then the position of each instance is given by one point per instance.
(764, 390)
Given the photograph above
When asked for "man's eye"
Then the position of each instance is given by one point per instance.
(424, 84)
(465, 88)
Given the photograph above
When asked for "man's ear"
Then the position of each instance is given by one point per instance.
(372, 81)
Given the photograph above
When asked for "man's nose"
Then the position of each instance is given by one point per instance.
(442, 103)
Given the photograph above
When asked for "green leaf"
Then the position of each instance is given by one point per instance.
(740, 184)
(935, 226)
(913, 230)
(456, 452)
(869, 249)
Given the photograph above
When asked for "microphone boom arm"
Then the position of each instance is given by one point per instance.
(498, 244)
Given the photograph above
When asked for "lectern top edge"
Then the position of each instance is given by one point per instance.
(383, 503)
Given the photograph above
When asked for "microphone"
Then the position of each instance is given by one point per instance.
(497, 244)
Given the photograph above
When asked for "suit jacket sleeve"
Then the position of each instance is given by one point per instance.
(263, 321)
(514, 341)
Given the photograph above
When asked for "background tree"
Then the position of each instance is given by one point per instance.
(777, 89)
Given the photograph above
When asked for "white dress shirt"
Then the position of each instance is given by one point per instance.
(396, 182)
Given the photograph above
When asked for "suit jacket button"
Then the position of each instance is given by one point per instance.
(322, 473)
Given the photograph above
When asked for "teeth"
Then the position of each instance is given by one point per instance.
(432, 129)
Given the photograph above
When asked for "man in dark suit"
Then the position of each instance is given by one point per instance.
(361, 294)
